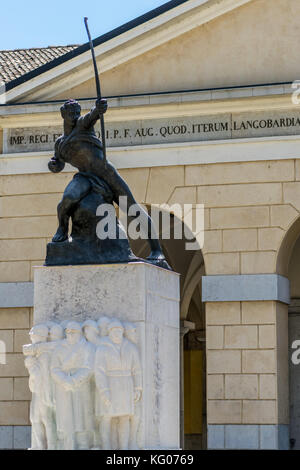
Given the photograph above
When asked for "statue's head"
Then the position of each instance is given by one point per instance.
(130, 331)
(103, 323)
(56, 332)
(73, 332)
(90, 330)
(115, 331)
(70, 111)
(39, 334)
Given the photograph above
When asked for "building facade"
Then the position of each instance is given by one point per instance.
(203, 109)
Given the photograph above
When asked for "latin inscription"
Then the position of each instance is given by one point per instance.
(173, 130)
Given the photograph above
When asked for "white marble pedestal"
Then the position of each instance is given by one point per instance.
(139, 293)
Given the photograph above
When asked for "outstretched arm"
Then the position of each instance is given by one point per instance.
(90, 119)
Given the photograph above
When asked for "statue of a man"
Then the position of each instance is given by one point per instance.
(71, 370)
(80, 147)
(37, 359)
(131, 334)
(91, 334)
(119, 383)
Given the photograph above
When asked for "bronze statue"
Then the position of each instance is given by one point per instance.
(97, 182)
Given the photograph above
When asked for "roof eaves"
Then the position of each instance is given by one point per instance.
(96, 42)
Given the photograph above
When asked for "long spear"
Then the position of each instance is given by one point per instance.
(97, 88)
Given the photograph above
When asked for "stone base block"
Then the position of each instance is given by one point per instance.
(15, 437)
(139, 293)
(248, 436)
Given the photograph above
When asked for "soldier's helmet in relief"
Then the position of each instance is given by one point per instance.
(39, 330)
(90, 324)
(73, 326)
(115, 324)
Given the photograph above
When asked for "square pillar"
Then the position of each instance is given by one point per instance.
(136, 292)
(247, 362)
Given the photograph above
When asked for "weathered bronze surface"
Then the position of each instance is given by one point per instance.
(97, 182)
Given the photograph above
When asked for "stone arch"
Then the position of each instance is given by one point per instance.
(193, 278)
(288, 329)
(287, 246)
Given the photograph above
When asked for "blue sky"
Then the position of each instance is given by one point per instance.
(40, 23)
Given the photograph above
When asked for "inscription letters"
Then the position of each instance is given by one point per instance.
(172, 130)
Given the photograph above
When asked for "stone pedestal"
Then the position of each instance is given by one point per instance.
(140, 293)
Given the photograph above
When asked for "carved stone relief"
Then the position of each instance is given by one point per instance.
(86, 385)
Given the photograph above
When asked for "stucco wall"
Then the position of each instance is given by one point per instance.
(256, 43)
(248, 209)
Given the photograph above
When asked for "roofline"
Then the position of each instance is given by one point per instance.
(152, 93)
(38, 48)
(96, 42)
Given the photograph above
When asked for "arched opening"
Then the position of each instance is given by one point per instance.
(288, 264)
(190, 265)
(287, 247)
(192, 310)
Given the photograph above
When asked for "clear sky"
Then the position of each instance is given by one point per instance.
(42, 23)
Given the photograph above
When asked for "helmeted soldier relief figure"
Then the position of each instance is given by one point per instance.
(37, 361)
(91, 334)
(80, 147)
(103, 325)
(130, 332)
(71, 370)
(119, 384)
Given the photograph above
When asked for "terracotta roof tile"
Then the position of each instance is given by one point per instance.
(15, 63)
